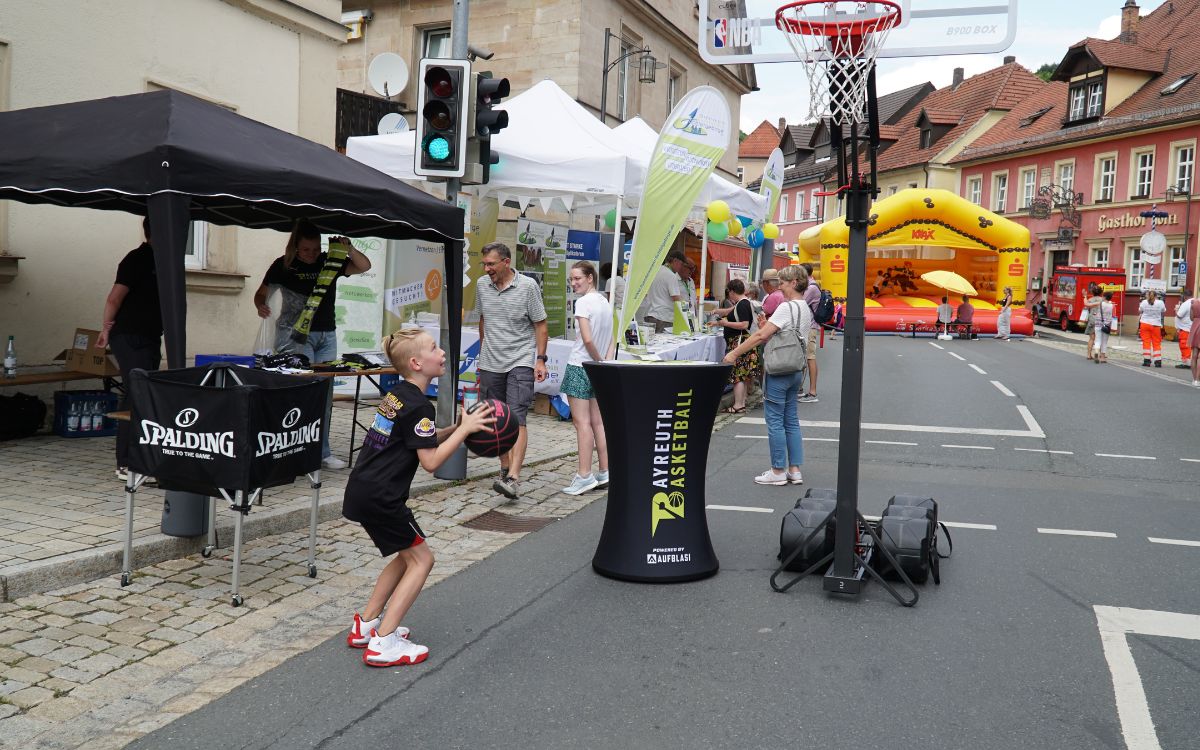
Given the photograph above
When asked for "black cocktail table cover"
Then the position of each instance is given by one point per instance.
(261, 432)
(658, 419)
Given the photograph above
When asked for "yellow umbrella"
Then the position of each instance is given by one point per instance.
(951, 282)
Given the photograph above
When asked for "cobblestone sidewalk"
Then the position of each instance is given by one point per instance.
(96, 665)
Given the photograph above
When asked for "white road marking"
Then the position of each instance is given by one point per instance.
(1115, 623)
(977, 369)
(1076, 532)
(1000, 387)
(740, 507)
(962, 525)
(970, 447)
(820, 440)
(889, 442)
(1045, 450)
(1179, 542)
(751, 437)
(1121, 455)
(1191, 460)
(1034, 429)
(939, 346)
(960, 359)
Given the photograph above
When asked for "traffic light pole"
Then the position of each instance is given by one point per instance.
(446, 397)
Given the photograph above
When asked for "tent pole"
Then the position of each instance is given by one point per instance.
(169, 219)
(616, 255)
(703, 274)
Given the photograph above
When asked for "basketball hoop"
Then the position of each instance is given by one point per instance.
(840, 39)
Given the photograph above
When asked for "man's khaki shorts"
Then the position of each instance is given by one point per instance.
(813, 333)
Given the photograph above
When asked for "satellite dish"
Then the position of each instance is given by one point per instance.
(392, 122)
(388, 74)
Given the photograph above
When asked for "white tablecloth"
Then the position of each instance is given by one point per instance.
(700, 348)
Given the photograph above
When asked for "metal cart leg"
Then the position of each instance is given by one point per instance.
(239, 497)
(127, 562)
(314, 479)
(212, 528)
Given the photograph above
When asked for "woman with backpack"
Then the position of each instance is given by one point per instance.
(785, 377)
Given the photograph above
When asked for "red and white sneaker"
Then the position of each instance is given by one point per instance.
(392, 650)
(360, 632)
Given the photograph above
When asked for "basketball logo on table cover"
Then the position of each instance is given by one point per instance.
(669, 465)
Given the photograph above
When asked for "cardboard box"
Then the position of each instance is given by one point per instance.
(85, 356)
(541, 405)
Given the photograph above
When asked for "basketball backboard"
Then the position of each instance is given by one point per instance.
(743, 31)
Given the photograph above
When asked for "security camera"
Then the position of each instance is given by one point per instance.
(481, 53)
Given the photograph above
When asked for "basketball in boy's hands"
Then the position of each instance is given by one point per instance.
(501, 437)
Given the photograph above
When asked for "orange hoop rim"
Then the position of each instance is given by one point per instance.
(835, 29)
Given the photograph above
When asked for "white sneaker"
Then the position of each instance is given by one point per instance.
(770, 477)
(795, 478)
(392, 650)
(332, 462)
(580, 485)
(360, 631)
(1196, 383)
(122, 473)
(601, 478)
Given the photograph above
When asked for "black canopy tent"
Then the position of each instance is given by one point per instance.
(177, 159)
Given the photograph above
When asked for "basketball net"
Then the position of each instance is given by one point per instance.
(840, 42)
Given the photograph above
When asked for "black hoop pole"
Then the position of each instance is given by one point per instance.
(842, 575)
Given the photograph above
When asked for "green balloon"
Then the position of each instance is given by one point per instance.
(610, 218)
(717, 230)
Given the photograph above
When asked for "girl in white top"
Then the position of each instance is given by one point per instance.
(1152, 314)
(593, 343)
(1101, 328)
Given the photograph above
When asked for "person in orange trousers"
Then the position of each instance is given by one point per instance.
(1183, 326)
(1151, 316)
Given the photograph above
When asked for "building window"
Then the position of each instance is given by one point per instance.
(195, 255)
(741, 175)
(1177, 84)
(975, 190)
(1078, 103)
(626, 72)
(783, 205)
(926, 137)
(1100, 257)
(893, 189)
(1108, 178)
(1066, 177)
(1000, 194)
(1136, 269)
(1143, 174)
(674, 89)
(1175, 278)
(1095, 99)
(1185, 167)
(800, 206)
(435, 42)
(815, 211)
(1028, 186)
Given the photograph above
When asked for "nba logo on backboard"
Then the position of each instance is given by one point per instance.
(720, 32)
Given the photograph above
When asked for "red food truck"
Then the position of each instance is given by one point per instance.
(1062, 304)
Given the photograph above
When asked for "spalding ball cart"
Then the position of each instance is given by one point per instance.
(224, 431)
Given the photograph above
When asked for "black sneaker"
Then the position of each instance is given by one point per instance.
(1182, 366)
(1158, 363)
(1145, 363)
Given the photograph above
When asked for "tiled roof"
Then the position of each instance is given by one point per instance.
(890, 132)
(1023, 123)
(801, 135)
(1171, 32)
(1113, 54)
(899, 103)
(760, 143)
(942, 116)
(1001, 88)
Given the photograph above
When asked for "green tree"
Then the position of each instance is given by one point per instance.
(742, 135)
(1046, 71)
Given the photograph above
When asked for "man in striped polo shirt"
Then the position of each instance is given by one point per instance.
(511, 311)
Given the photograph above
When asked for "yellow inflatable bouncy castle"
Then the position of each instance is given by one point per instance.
(920, 230)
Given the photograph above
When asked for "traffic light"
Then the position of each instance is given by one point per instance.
(488, 92)
(443, 118)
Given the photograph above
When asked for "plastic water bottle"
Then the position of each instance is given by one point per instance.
(73, 417)
(10, 359)
(98, 415)
(85, 416)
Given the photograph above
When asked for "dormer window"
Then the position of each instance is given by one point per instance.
(926, 137)
(1177, 84)
(1086, 101)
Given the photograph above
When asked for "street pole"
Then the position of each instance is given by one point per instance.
(456, 466)
(604, 78)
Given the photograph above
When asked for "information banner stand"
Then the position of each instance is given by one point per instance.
(658, 417)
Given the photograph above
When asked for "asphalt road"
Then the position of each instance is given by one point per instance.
(532, 649)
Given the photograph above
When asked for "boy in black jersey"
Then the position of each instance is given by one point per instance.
(402, 435)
